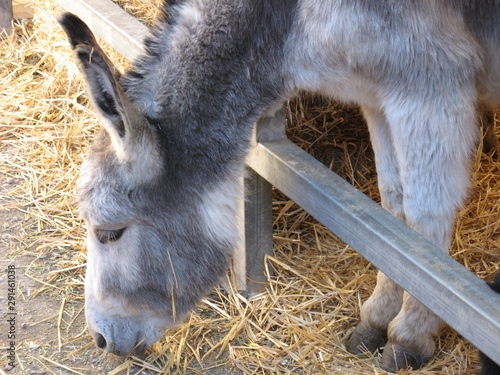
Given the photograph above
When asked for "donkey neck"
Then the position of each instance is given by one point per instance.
(208, 75)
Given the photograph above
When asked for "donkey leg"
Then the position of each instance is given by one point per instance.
(435, 139)
(411, 336)
(376, 314)
(385, 302)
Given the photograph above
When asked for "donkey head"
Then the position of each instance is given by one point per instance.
(150, 255)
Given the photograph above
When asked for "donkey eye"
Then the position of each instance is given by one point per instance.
(109, 236)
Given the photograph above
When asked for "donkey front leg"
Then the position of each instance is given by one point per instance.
(433, 142)
(387, 298)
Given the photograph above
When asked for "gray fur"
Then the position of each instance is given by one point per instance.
(178, 126)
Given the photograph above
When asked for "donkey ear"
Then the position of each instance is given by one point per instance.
(124, 123)
(100, 74)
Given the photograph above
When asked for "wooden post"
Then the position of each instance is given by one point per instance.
(5, 15)
(258, 208)
(258, 230)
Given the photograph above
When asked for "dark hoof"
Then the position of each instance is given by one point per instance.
(367, 339)
(397, 358)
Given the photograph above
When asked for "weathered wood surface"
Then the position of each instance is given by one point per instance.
(5, 15)
(456, 295)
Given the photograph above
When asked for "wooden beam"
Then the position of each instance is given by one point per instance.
(258, 207)
(5, 15)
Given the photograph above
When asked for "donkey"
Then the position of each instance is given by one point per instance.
(161, 184)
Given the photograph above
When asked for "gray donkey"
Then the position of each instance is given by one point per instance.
(160, 187)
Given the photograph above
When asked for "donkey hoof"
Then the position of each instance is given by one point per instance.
(396, 358)
(367, 339)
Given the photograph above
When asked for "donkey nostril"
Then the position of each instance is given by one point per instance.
(100, 341)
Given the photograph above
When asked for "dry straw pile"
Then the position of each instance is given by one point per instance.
(303, 320)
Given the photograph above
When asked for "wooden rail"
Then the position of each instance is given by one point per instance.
(452, 292)
(5, 15)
